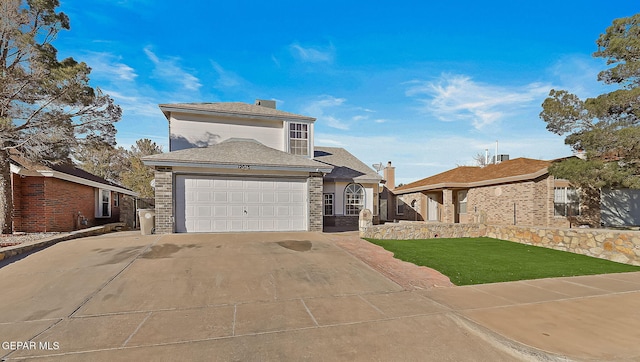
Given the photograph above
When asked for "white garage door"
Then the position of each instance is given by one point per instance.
(208, 204)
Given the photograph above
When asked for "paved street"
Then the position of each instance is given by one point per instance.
(290, 296)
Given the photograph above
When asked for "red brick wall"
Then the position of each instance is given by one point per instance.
(28, 203)
(43, 204)
(64, 200)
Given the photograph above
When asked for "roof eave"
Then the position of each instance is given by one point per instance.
(83, 181)
(236, 166)
(454, 185)
(166, 110)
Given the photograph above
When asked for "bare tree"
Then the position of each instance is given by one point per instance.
(47, 106)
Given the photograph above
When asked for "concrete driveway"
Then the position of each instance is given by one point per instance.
(293, 296)
(258, 296)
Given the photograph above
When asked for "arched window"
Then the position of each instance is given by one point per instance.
(353, 199)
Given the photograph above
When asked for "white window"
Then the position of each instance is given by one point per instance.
(299, 139)
(566, 201)
(353, 199)
(328, 204)
(103, 203)
(116, 199)
(399, 206)
(462, 202)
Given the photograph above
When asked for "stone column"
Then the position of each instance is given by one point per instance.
(448, 208)
(365, 221)
(314, 185)
(164, 200)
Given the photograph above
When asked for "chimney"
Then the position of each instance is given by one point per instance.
(266, 103)
(389, 174)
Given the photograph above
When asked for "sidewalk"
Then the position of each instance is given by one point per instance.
(582, 318)
(587, 317)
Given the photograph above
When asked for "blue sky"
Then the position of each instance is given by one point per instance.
(425, 84)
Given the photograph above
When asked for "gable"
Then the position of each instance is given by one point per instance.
(199, 130)
(346, 167)
(194, 125)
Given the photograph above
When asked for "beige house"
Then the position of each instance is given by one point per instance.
(250, 167)
(513, 192)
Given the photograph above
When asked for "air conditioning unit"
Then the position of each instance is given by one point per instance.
(500, 158)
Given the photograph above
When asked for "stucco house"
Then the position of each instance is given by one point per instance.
(235, 166)
(343, 198)
(513, 192)
(62, 198)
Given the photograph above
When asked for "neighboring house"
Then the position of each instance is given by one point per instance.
(513, 192)
(347, 189)
(251, 167)
(61, 198)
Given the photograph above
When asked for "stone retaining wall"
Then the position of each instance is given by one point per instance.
(615, 245)
(405, 230)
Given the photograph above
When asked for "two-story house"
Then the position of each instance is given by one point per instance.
(250, 167)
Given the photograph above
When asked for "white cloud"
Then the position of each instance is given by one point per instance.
(459, 98)
(337, 113)
(335, 123)
(226, 79)
(359, 118)
(168, 70)
(313, 54)
(275, 60)
(109, 66)
(135, 105)
(323, 109)
(578, 74)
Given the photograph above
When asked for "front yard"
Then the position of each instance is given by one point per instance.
(484, 260)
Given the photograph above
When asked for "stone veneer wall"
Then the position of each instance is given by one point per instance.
(615, 245)
(341, 221)
(405, 230)
(164, 200)
(314, 183)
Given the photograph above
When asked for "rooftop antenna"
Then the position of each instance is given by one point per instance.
(378, 166)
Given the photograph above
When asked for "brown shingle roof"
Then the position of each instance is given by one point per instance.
(518, 169)
(232, 108)
(68, 168)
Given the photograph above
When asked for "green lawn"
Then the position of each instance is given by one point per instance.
(484, 260)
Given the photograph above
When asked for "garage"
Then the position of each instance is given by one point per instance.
(228, 204)
(620, 207)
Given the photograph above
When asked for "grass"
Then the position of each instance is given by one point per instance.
(484, 260)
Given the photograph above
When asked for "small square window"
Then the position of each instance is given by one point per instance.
(462, 202)
(103, 203)
(328, 205)
(566, 201)
(399, 206)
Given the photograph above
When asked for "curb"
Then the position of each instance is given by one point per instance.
(11, 251)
